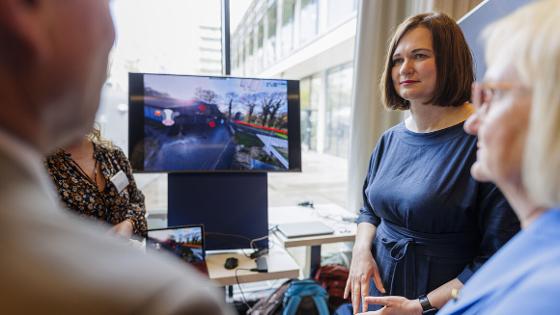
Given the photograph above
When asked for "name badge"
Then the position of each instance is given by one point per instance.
(120, 181)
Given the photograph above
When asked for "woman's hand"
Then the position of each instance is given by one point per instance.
(123, 229)
(394, 305)
(362, 269)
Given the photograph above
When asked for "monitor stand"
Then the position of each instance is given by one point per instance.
(232, 206)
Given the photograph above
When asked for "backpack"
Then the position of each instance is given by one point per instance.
(272, 304)
(333, 278)
(305, 297)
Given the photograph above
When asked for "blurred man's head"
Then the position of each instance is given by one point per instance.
(53, 63)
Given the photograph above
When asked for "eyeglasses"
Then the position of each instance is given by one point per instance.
(484, 92)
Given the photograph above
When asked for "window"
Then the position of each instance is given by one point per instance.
(339, 95)
(250, 45)
(242, 56)
(288, 12)
(325, 88)
(260, 34)
(271, 14)
(309, 20)
(183, 36)
(309, 93)
(250, 49)
(340, 10)
(248, 53)
(173, 36)
(259, 44)
(270, 45)
(239, 16)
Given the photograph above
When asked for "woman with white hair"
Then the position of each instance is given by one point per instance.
(518, 124)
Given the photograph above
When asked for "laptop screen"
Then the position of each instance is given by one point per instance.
(185, 242)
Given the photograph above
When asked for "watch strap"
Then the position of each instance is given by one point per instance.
(425, 303)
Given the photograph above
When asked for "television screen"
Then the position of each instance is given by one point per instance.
(205, 123)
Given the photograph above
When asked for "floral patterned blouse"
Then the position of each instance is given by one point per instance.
(82, 195)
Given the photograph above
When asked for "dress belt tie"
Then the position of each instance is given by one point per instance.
(398, 251)
(399, 241)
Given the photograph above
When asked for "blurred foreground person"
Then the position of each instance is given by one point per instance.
(53, 62)
(518, 124)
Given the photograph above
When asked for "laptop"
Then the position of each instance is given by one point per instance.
(304, 229)
(185, 242)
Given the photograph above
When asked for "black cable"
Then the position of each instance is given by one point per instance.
(241, 290)
(307, 203)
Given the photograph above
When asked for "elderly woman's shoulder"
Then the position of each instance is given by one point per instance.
(536, 293)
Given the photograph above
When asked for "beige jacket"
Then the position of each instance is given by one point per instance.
(52, 262)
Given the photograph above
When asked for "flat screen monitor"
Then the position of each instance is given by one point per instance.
(187, 123)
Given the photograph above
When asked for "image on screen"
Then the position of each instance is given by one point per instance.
(215, 123)
(186, 243)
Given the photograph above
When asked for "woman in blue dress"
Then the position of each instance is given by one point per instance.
(518, 123)
(426, 225)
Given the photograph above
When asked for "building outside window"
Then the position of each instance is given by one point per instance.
(241, 50)
(210, 49)
(316, 113)
(175, 36)
(309, 91)
(291, 30)
(340, 10)
(309, 20)
(270, 43)
(288, 14)
(248, 52)
(260, 44)
(339, 94)
(168, 44)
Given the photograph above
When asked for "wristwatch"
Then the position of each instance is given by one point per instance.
(425, 303)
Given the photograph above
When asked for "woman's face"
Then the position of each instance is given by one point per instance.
(501, 123)
(414, 66)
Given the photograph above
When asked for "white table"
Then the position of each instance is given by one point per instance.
(280, 265)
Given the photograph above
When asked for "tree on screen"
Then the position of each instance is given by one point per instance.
(230, 98)
(250, 101)
(271, 103)
(278, 100)
(208, 96)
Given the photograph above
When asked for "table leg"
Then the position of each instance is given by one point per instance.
(315, 262)
(230, 291)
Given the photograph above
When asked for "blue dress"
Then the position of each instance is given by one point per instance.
(522, 278)
(434, 221)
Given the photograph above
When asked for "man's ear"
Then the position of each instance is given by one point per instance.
(23, 32)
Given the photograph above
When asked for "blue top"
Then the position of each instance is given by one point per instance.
(434, 221)
(522, 278)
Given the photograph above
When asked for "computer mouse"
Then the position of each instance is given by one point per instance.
(231, 263)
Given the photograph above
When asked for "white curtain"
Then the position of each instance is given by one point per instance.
(377, 20)
(454, 8)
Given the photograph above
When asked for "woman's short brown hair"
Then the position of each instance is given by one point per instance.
(454, 64)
